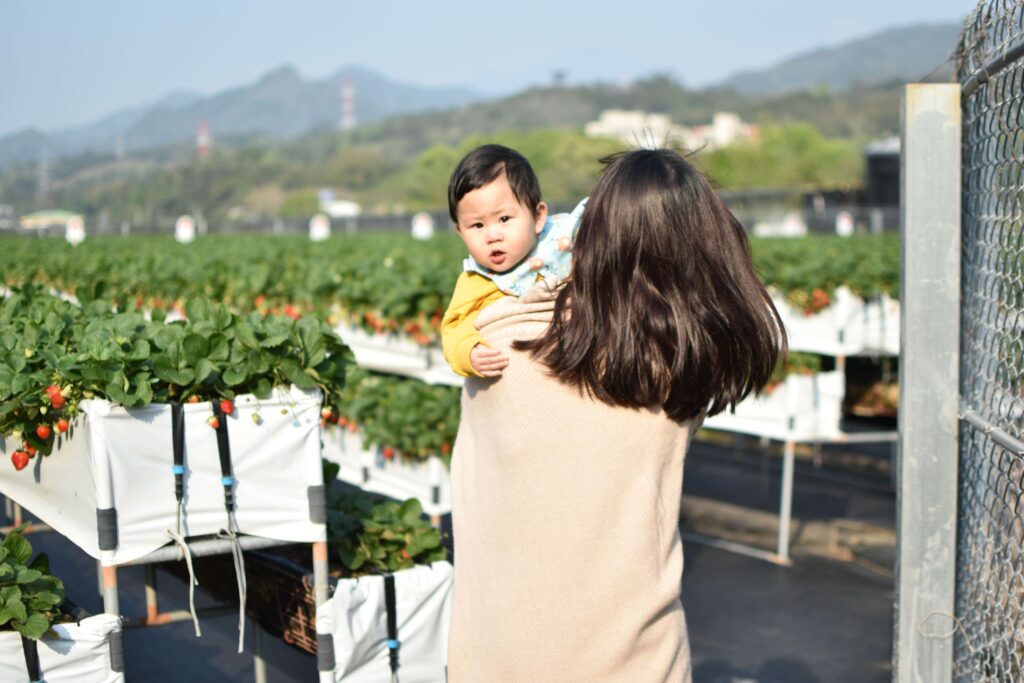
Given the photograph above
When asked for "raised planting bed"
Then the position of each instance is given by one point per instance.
(802, 407)
(111, 487)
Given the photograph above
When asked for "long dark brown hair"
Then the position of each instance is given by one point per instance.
(663, 307)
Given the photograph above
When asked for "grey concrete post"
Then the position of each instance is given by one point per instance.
(926, 511)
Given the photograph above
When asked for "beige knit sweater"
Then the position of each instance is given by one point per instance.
(568, 560)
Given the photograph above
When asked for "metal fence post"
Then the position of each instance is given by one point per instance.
(926, 511)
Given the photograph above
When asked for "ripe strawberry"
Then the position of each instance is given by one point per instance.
(291, 312)
(446, 448)
(43, 432)
(326, 413)
(260, 300)
(57, 400)
(405, 554)
(62, 425)
(227, 406)
(29, 448)
(213, 422)
(389, 452)
(19, 459)
(52, 389)
(193, 399)
(352, 427)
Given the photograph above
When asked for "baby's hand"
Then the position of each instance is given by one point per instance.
(487, 361)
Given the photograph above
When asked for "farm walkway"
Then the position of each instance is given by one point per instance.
(823, 620)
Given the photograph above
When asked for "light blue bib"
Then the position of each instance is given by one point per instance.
(551, 257)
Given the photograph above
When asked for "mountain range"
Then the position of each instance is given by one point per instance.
(282, 104)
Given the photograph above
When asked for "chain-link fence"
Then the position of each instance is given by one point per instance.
(989, 640)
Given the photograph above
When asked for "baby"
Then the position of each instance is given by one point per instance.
(494, 199)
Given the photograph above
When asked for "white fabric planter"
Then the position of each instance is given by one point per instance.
(392, 353)
(79, 653)
(427, 480)
(122, 459)
(356, 619)
(398, 355)
(802, 408)
(849, 326)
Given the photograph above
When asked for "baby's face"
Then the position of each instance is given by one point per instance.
(498, 231)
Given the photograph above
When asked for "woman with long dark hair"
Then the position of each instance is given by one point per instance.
(567, 471)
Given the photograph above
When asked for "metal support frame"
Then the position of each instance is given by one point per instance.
(201, 548)
(926, 511)
(781, 556)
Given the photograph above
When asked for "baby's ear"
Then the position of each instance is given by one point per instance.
(541, 217)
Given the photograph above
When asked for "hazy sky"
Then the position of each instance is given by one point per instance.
(66, 62)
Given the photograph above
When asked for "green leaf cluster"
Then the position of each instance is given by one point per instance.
(372, 534)
(94, 351)
(30, 597)
(414, 418)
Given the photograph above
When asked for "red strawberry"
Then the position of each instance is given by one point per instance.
(446, 448)
(405, 554)
(56, 400)
(227, 406)
(43, 432)
(213, 422)
(193, 399)
(352, 426)
(62, 425)
(326, 413)
(52, 389)
(389, 452)
(19, 459)
(29, 448)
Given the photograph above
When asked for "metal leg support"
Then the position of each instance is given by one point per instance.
(786, 503)
(259, 665)
(152, 599)
(110, 601)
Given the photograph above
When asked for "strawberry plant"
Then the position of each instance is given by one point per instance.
(370, 533)
(30, 597)
(406, 416)
(53, 355)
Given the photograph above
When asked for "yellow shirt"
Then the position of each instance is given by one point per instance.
(473, 292)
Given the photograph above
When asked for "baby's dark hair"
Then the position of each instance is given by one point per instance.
(483, 165)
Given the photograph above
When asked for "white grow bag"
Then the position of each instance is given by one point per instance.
(79, 653)
(121, 458)
(392, 353)
(849, 326)
(356, 619)
(802, 408)
(398, 355)
(427, 480)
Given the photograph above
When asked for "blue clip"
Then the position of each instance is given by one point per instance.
(227, 481)
(393, 644)
(178, 469)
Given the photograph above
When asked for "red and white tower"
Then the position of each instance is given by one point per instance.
(348, 104)
(203, 139)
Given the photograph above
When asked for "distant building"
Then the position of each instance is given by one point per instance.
(336, 208)
(640, 128)
(636, 128)
(882, 172)
(48, 219)
(725, 129)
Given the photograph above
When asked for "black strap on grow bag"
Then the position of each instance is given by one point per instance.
(178, 444)
(392, 610)
(224, 446)
(31, 650)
